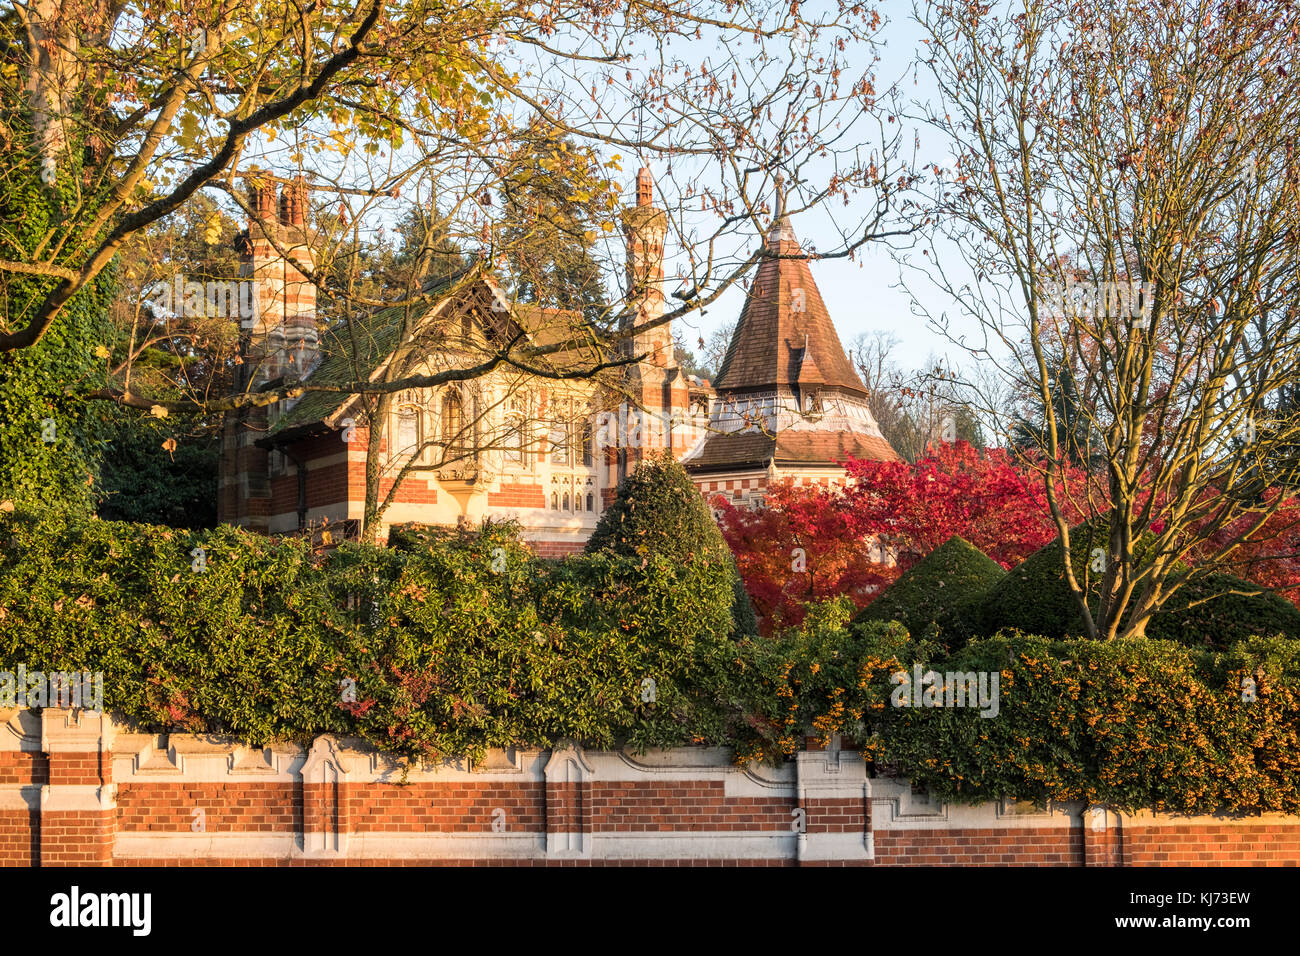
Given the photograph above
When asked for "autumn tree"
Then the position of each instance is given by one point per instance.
(1124, 194)
(119, 115)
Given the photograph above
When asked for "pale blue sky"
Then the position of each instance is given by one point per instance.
(866, 296)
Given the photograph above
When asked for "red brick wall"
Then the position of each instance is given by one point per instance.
(980, 847)
(517, 496)
(556, 549)
(335, 805)
(1210, 845)
(261, 807)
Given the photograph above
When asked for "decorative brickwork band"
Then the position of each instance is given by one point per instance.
(75, 791)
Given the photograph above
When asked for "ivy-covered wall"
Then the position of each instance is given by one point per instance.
(449, 645)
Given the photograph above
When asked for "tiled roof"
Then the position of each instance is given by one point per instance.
(356, 354)
(785, 336)
(790, 447)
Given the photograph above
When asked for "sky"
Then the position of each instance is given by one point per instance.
(866, 296)
(863, 296)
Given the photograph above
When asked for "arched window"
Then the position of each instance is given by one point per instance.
(555, 501)
(516, 417)
(406, 437)
(453, 425)
(591, 502)
(588, 444)
(566, 501)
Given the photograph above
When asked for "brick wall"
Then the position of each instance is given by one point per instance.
(76, 790)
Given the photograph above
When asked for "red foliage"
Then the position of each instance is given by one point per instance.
(802, 547)
(984, 497)
(995, 504)
(1271, 557)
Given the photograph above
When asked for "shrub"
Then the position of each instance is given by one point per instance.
(1130, 723)
(1035, 598)
(938, 594)
(1219, 610)
(446, 645)
(657, 510)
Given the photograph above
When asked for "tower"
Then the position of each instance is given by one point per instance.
(278, 339)
(788, 402)
(656, 395)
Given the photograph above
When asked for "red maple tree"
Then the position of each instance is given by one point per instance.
(812, 543)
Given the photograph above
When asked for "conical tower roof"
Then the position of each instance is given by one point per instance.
(785, 337)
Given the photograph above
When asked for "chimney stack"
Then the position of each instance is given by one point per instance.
(262, 196)
(644, 187)
(293, 203)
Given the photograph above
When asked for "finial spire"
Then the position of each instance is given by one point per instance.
(780, 229)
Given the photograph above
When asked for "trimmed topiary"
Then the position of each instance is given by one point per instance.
(1034, 597)
(658, 510)
(1212, 613)
(943, 590)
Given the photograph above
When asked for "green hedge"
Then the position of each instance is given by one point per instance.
(1212, 612)
(941, 594)
(1035, 598)
(1133, 724)
(461, 644)
(658, 510)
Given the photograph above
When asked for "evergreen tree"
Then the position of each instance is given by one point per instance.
(1075, 436)
(555, 208)
(658, 510)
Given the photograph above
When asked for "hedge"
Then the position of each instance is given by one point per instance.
(461, 642)
(939, 594)
(1133, 724)
(1035, 598)
(657, 509)
(466, 643)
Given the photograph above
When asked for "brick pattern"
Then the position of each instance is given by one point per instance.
(336, 806)
(447, 808)
(517, 496)
(980, 847)
(76, 838)
(556, 549)
(219, 861)
(20, 837)
(1210, 845)
(226, 808)
(689, 805)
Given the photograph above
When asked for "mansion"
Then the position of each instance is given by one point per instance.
(546, 451)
